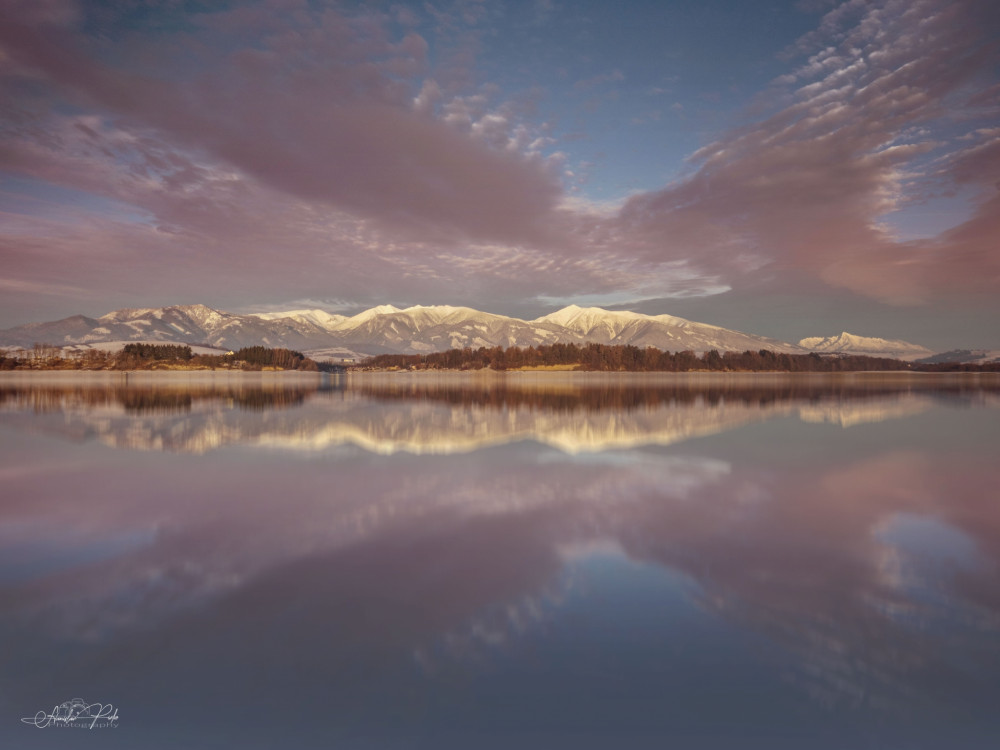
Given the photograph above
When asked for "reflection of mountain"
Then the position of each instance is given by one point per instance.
(423, 419)
(879, 410)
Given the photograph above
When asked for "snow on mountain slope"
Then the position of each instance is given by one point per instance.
(437, 328)
(367, 315)
(416, 318)
(586, 320)
(848, 343)
(591, 321)
(661, 331)
(323, 319)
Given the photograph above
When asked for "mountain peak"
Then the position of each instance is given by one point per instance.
(441, 309)
(587, 319)
(128, 313)
(203, 315)
(321, 318)
(373, 312)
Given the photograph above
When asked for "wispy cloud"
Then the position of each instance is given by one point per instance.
(615, 76)
(323, 111)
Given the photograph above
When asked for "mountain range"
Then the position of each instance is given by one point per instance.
(420, 329)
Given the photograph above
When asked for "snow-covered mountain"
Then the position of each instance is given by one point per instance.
(388, 329)
(435, 328)
(848, 343)
(190, 324)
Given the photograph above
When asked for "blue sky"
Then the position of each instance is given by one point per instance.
(788, 168)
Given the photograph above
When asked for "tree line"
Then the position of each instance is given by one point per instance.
(153, 357)
(627, 358)
(588, 357)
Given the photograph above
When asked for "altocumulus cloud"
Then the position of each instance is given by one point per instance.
(886, 106)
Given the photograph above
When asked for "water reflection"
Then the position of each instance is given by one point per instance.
(727, 565)
(386, 416)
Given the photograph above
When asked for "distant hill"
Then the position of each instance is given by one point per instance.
(848, 343)
(965, 356)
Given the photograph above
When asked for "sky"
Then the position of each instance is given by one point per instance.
(783, 168)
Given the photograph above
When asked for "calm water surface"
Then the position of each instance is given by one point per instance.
(529, 562)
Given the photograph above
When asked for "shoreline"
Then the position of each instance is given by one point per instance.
(487, 378)
(578, 377)
(483, 374)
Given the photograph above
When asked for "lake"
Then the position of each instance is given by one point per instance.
(519, 561)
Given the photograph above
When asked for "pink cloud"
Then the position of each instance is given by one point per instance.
(205, 222)
(808, 187)
(323, 112)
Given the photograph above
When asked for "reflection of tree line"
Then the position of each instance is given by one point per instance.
(630, 397)
(593, 397)
(152, 400)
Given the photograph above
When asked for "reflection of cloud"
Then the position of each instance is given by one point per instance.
(813, 569)
(494, 627)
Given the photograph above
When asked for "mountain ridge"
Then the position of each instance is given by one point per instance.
(387, 329)
(420, 329)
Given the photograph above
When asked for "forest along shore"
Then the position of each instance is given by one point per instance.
(151, 357)
(625, 358)
(551, 358)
